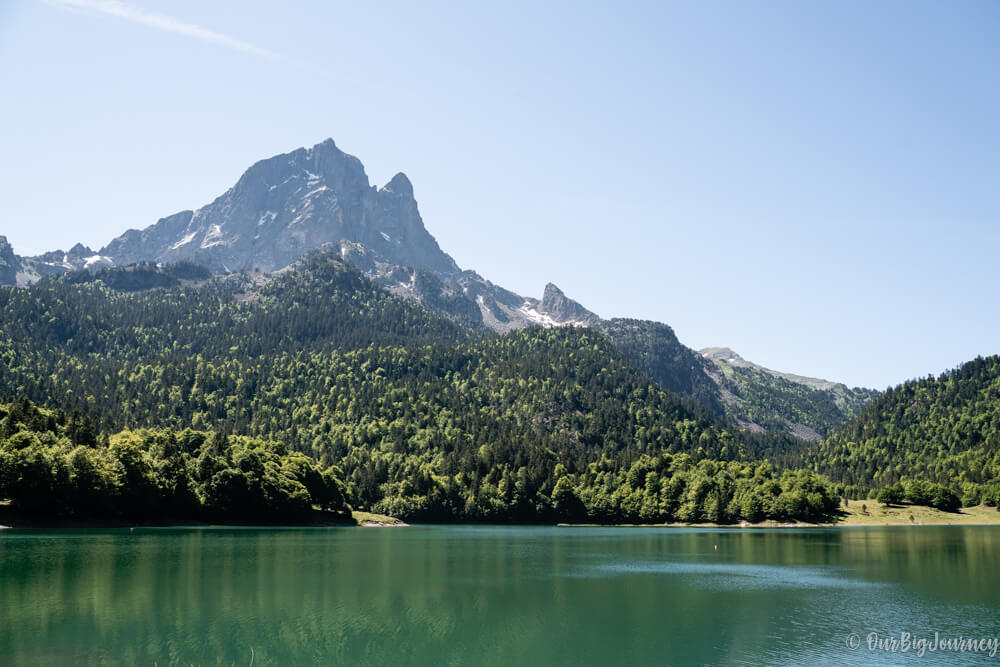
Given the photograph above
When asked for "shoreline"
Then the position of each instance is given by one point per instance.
(13, 520)
(851, 516)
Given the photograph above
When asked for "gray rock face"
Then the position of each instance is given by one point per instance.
(561, 308)
(285, 206)
(58, 262)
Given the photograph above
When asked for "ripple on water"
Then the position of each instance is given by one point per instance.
(733, 576)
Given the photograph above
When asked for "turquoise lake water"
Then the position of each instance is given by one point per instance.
(459, 595)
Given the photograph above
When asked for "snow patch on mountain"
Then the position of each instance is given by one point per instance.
(90, 262)
(545, 320)
(213, 237)
(184, 241)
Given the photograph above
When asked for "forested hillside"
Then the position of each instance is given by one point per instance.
(653, 348)
(427, 419)
(944, 430)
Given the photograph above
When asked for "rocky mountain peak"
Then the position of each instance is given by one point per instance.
(561, 308)
(285, 206)
(79, 251)
(552, 292)
(400, 185)
(314, 198)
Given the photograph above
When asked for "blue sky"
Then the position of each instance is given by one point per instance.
(816, 185)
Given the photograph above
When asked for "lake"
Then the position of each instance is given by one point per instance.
(460, 595)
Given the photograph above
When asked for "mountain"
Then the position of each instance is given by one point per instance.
(321, 199)
(759, 397)
(330, 321)
(285, 206)
(943, 429)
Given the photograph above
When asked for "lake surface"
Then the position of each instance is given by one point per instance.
(456, 595)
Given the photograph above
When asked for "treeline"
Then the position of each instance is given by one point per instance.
(943, 431)
(660, 488)
(55, 466)
(919, 492)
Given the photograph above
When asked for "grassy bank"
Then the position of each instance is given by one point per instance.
(857, 513)
(377, 520)
(871, 513)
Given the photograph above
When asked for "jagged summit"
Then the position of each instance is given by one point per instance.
(320, 197)
(284, 206)
(400, 185)
(560, 308)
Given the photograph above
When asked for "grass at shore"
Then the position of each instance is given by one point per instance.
(856, 513)
(372, 519)
(900, 515)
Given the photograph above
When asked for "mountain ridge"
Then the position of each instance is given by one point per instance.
(321, 199)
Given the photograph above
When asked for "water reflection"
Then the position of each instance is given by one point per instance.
(488, 595)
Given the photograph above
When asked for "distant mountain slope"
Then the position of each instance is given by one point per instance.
(847, 399)
(944, 430)
(772, 400)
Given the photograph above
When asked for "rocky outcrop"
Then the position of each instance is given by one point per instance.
(561, 308)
